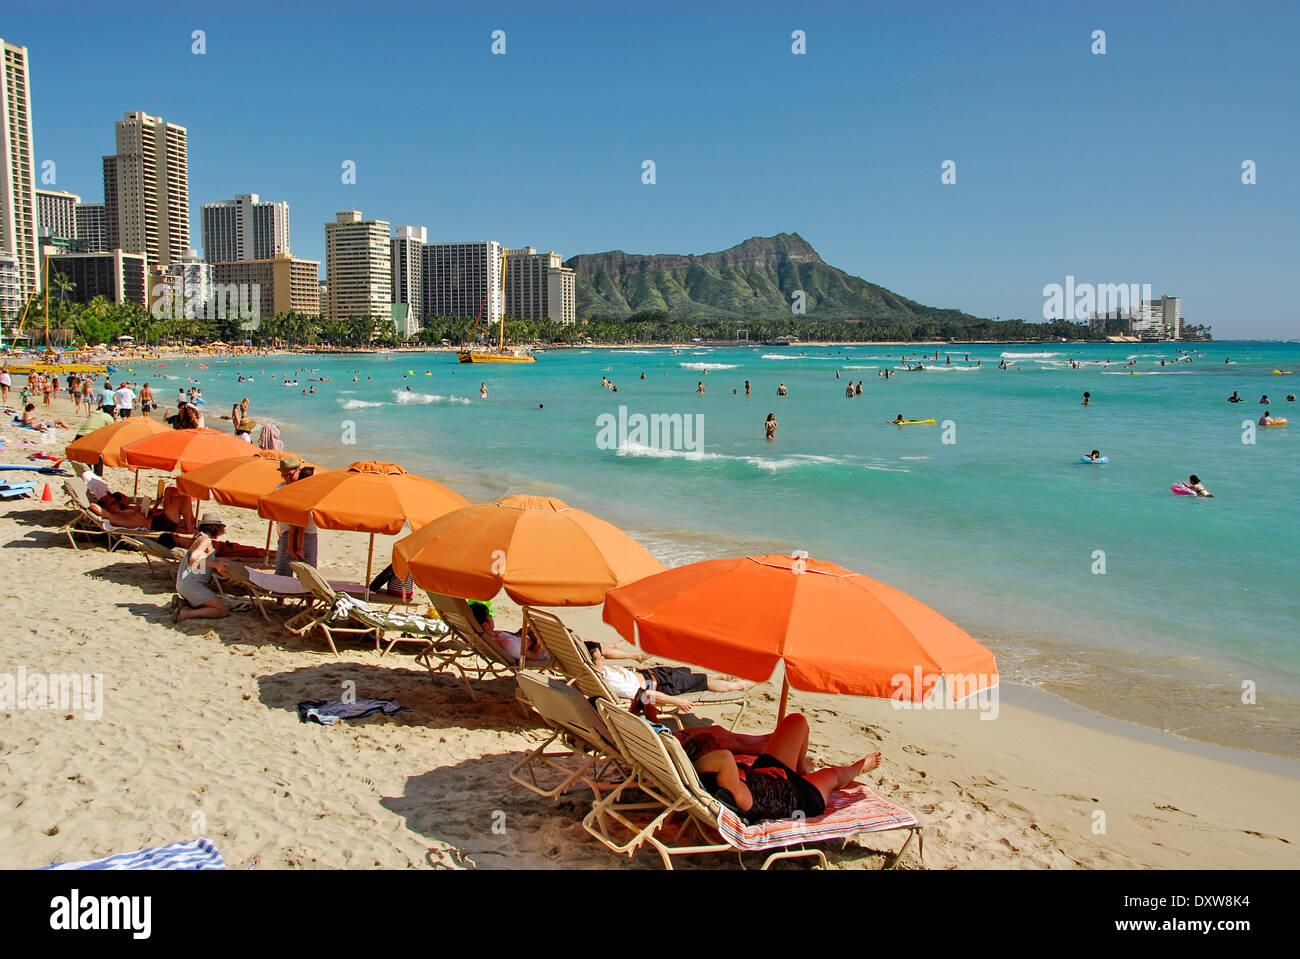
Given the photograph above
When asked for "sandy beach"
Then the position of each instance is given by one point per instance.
(199, 736)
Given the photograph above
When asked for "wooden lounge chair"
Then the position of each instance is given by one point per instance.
(265, 589)
(664, 774)
(472, 650)
(341, 612)
(591, 756)
(85, 522)
(573, 661)
(168, 557)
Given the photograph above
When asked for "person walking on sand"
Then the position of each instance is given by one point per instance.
(771, 426)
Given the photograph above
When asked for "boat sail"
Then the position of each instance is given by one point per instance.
(500, 354)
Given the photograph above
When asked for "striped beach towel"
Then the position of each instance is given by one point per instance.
(197, 854)
(848, 812)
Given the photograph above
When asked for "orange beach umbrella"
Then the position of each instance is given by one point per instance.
(106, 442)
(367, 497)
(836, 631)
(183, 450)
(237, 481)
(541, 550)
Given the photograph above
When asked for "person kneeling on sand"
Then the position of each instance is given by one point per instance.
(780, 783)
(194, 596)
(660, 685)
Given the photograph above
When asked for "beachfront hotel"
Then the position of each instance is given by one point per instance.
(539, 286)
(18, 217)
(117, 276)
(358, 266)
(408, 275)
(285, 283)
(146, 189)
(182, 287)
(462, 279)
(1160, 319)
(245, 228)
(56, 213)
(92, 228)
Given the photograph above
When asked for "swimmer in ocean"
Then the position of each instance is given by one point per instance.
(771, 426)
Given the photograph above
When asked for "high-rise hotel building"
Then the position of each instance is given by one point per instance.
(358, 267)
(408, 273)
(18, 216)
(244, 228)
(462, 279)
(92, 227)
(539, 287)
(56, 213)
(146, 189)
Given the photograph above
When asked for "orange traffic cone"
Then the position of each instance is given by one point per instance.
(46, 495)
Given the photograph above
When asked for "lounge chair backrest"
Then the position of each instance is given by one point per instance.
(568, 654)
(562, 705)
(651, 754)
(455, 612)
(310, 577)
(75, 487)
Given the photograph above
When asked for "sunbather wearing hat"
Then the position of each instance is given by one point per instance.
(195, 574)
(780, 783)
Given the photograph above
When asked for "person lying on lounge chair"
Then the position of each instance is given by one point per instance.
(780, 783)
(660, 685)
(509, 642)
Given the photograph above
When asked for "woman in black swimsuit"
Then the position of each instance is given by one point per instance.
(780, 783)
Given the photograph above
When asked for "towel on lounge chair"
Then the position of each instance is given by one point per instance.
(328, 712)
(855, 809)
(197, 854)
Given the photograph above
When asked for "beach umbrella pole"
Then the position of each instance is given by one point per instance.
(370, 555)
(266, 558)
(785, 696)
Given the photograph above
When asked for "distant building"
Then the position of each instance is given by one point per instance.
(182, 289)
(19, 227)
(11, 288)
(1160, 319)
(57, 213)
(146, 189)
(282, 284)
(538, 286)
(462, 279)
(244, 228)
(117, 276)
(92, 227)
(408, 275)
(358, 267)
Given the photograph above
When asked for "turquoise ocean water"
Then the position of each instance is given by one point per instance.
(999, 529)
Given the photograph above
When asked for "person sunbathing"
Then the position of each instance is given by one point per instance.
(31, 422)
(659, 685)
(780, 783)
(510, 643)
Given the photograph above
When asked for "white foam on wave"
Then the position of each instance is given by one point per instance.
(860, 367)
(640, 352)
(359, 404)
(761, 462)
(1028, 356)
(424, 399)
(707, 366)
(784, 356)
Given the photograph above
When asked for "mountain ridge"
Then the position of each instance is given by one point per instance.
(760, 277)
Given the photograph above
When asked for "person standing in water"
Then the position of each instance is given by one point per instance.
(771, 426)
(780, 390)
(1087, 397)
(746, 387)
(482, 391)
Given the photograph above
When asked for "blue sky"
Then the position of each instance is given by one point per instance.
(1119, 168)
